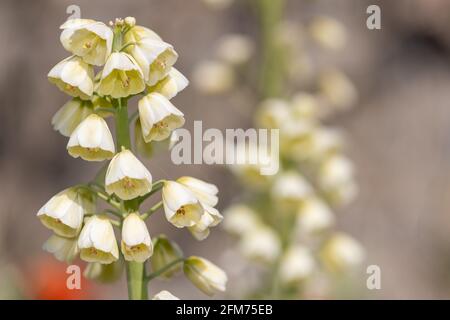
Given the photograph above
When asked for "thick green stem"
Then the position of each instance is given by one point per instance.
(137, 290)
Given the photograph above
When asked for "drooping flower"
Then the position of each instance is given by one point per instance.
(121, 76)
(164, 295)
(171, 85)
(260, 244)
(165, 252)
(91, 40)
(64, 249)
(211, 217)
(291, 188)
(204, 191)
(97, 241)
(70, 116)
(155, 57)
(136, 243)
(159, 117)
(92, 140)
(205, 275)
(240, 219)
(74, 77)
(127, 177)
(181, 207)
(64, 212)
(296, 265)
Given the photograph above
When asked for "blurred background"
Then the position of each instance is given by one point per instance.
(398, 136)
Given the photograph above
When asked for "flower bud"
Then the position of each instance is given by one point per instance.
(165, 252)
(136, 243)
(130, 21)
(159, 117)
(97, 241)
(127, 177)
(63, 249)
(70, 116)
(121, 76)
(104, 273)
(164, 295)
(64, 212)
(92, 140)
(74, 77)
(206, 276)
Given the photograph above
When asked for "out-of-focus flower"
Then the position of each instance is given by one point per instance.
(155, 57)
(64, 249)
(314, 216)
(218, 4)
(171, 85)
(92, 140)
(107, 109)
(260, 244)
(64, 212)
(328, 32)
(165, 252)
(97, 241)
(296, 265)
(291, 188)
(337, 89)
(90, 40)
(205, 275)
(181, 206)
(127, 177)
(164, 295)
(74, 77)
(159, 117)
(240, 219)
(273, 113)
(121, 76)
(143, 148)
(104, 273)
(341, 253)
(70, 116)
(305, 106)
(136, 243)
(213, 77)
(205, 192)
(235, 49)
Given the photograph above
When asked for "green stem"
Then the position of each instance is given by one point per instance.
(135, 270)
(157, 273)
(152, 210)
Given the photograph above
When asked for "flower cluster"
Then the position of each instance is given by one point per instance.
(110, 65)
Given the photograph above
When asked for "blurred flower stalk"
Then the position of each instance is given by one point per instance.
(110, 65)
(284, 224)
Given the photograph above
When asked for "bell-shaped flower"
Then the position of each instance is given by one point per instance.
(74, 77)
(165, 252)
(155, 57)
(235, 49)
(341, 253)
(70, 116)
(240, 219)
(64, 249)
(121, 76)
(97, 241)
(164, 295)
(296, 265)
(181, 206)
(214, 77)
(205, 192)
(90, 40)
(136, 243)
(211, 217)
(64, 212)
(127, 177)
(159, 117)
(205, 275)
(261, 244)
(314, 216)
(173, 83)
(92, 140)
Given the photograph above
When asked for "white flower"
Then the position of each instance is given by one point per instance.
(171, 85)
(164, 295)
(291, 187)
(314, 216)
(64, 212)
(63, 249)
(337, 89)
(328, 32)
(181, 207)
(92, 140)
(97, 241)
(205, 275)
(136, 243)
(137, 33)
(296, 265)
(213, 77)
(211, 217)
(159, 117)
(127, 177)
(341, 253)
(155, 57)
(74, 77)
(90, 40)
(235, 49)
(205, 192)
(260, 244)
(121, 76)
(70, 116)
(305, 105)
(273, 113)
(240, 219)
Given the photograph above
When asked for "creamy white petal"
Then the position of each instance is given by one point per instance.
(70, 115)
(205, 192)
(171, 85)
(164, 295)
(205, 275)
(63, 249)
